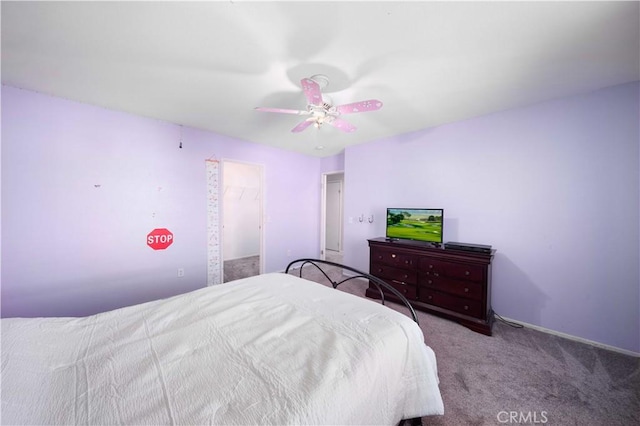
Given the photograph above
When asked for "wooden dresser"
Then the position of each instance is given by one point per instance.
(454, 284)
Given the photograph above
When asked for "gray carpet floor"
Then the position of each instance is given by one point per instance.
(241, 268)
(521, 375)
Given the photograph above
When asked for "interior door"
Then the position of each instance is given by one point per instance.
(333, 236)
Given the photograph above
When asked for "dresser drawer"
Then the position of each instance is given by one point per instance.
(469, 307)
(407, 290)
(440, 268)
(390, 273)
(393, 258)
(468, 289)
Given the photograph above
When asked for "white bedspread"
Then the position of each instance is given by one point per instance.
(272, 349)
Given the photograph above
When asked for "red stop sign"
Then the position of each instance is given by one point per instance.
(159, 239)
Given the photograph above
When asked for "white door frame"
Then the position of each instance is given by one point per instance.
(323, 212)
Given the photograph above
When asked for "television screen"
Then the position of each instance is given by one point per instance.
(415, 224)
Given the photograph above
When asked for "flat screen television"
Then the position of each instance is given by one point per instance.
(415, 224)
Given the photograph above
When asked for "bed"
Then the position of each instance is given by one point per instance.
(272, 349)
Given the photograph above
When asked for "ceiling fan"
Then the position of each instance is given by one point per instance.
(320, 108)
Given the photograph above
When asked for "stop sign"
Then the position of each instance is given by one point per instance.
(159, 239)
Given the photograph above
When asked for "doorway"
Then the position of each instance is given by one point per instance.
(332, 213)
(242, 239)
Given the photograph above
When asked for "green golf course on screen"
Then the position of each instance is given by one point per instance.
(415, 224)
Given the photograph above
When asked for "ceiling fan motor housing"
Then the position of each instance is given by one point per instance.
(321, 79)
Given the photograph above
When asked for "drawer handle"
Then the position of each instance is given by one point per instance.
(393, 255)
(466, 290)
(406, 276)
(435, 274)
(429, 297)
(429, 282)
(380, 256)
(430, 266)
(466, 308)
(466, 272)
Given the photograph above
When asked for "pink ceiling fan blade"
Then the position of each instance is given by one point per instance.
(321, 110)
(311, 91)
(343, 125)
(300, 127)
(362, 106)
(283, 111)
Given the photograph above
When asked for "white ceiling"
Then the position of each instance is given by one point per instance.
(208, 64)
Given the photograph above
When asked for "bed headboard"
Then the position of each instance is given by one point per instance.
(380, 284)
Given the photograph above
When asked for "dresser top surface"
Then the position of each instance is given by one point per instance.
(426, 247)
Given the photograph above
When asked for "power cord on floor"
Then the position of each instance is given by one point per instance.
(509, 323)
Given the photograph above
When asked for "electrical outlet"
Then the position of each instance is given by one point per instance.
(180, 272)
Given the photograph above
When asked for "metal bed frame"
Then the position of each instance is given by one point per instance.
(380, 284)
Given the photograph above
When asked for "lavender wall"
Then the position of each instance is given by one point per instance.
(553, 187)
(334, 163)
(82, 186)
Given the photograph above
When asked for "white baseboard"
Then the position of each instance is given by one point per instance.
(575, 338)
